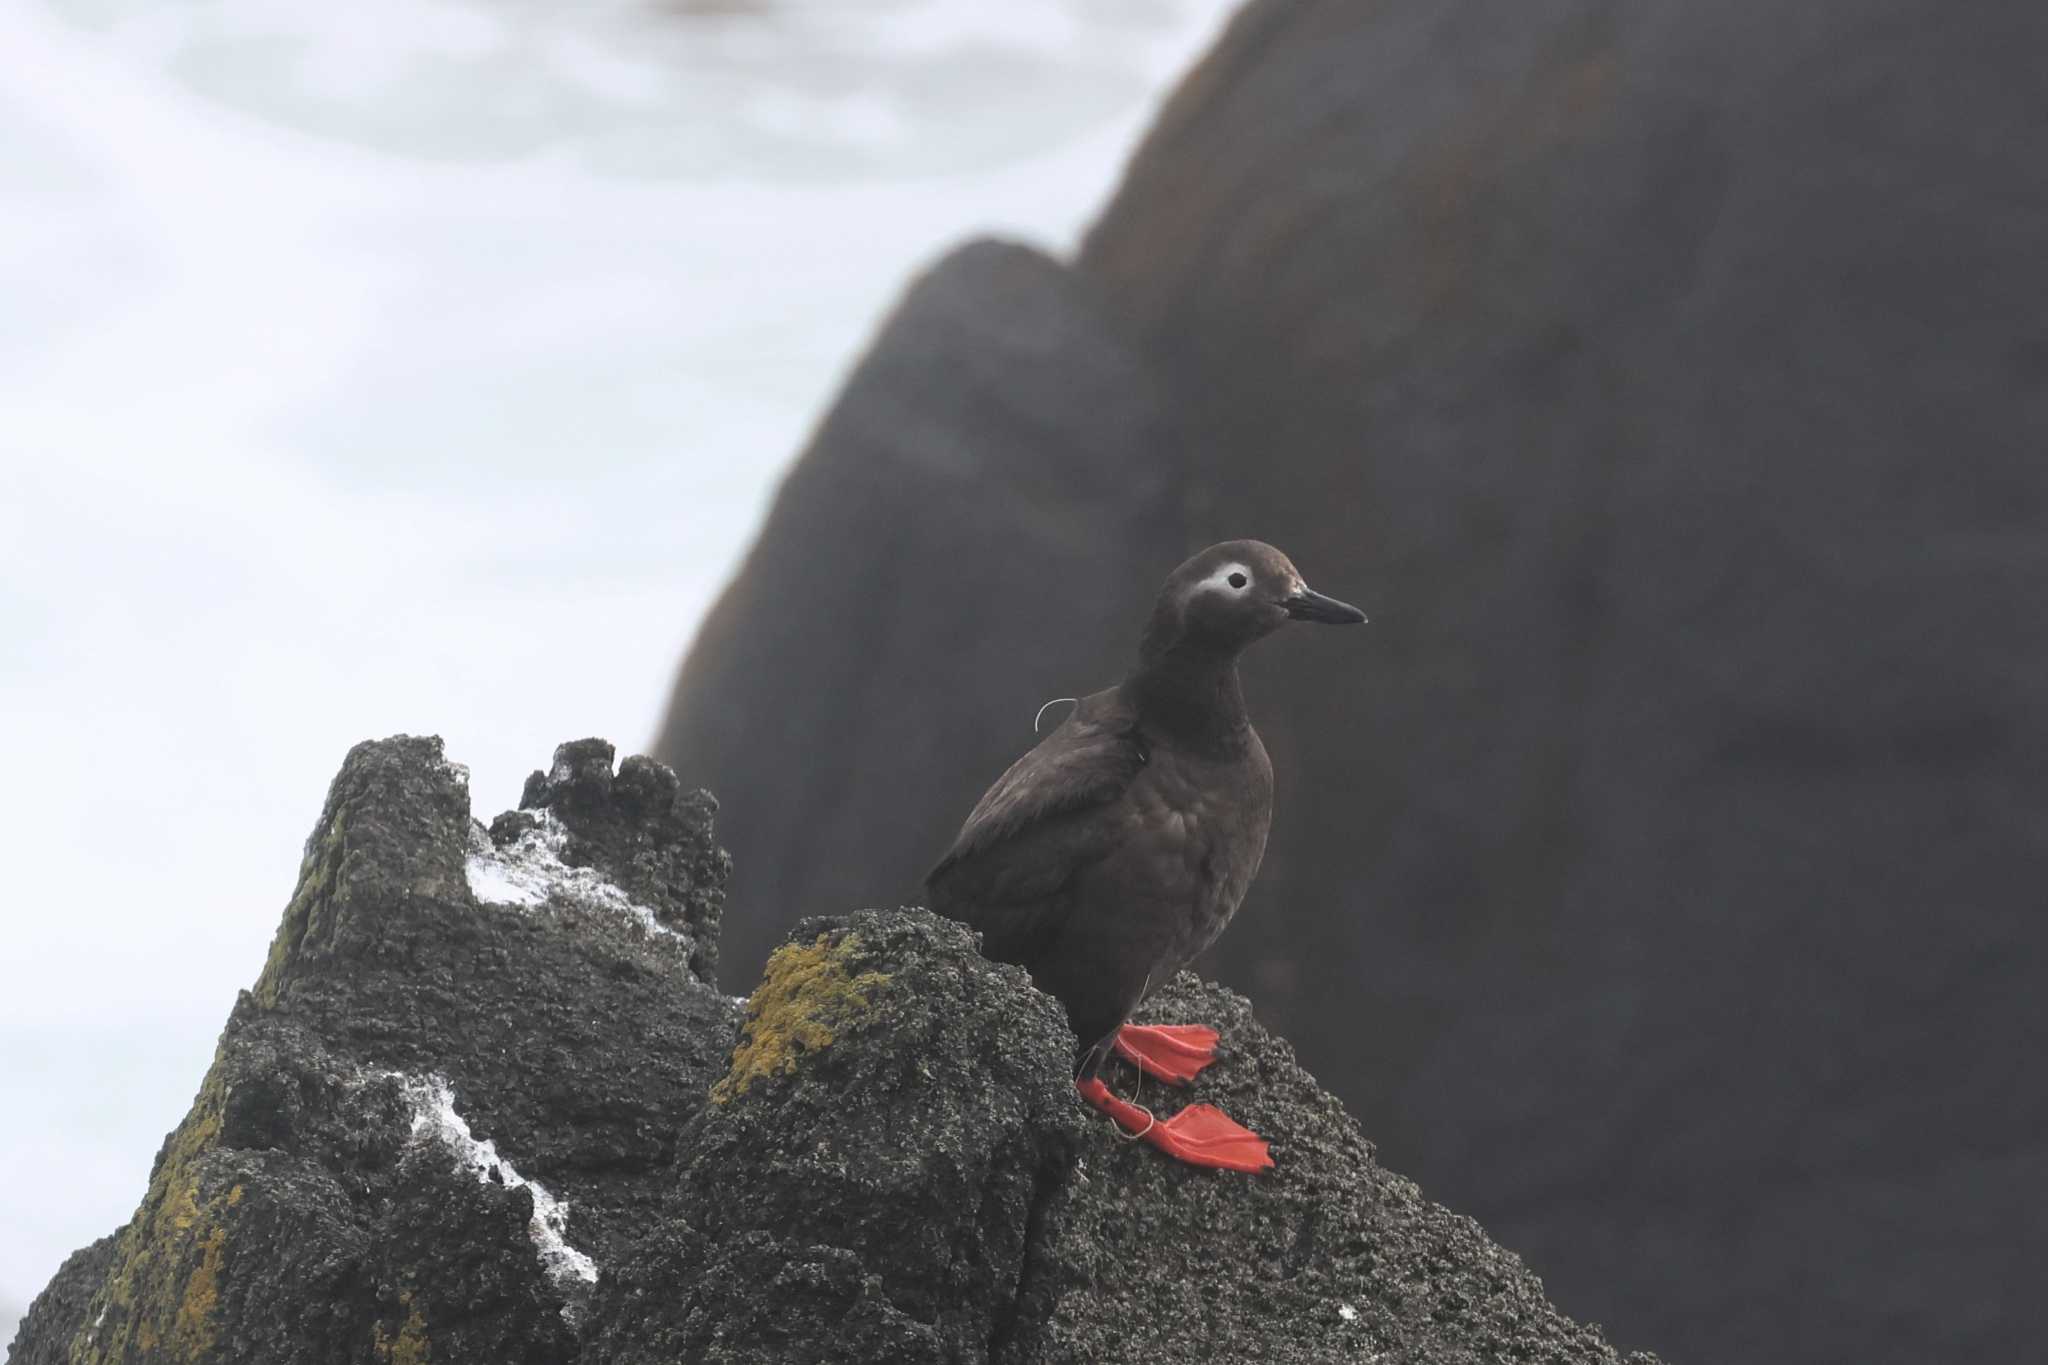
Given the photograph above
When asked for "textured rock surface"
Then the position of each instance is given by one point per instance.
(1658, 878)
(328, 1197)
(63, 1308)
(918, 1184)
(481, 1109)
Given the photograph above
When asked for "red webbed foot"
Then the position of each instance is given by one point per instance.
(1200, 1135)
(1174, 1053)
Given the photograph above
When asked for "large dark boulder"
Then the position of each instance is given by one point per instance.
(482, 1107)
(1658, 875)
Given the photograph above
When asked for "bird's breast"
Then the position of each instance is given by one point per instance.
(1202, 830)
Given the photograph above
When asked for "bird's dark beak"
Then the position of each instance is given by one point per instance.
(1313, 606)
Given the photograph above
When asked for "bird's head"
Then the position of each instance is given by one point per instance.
(1233, 594)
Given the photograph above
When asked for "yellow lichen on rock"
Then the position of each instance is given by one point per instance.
(409, 1347)
(192, 1332)
(163, 1286)
(319, 873)
(806, 996)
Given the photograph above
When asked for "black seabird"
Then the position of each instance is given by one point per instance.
(1112, 854)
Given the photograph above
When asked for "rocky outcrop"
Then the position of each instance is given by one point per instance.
(450, 1098)
(918, 1184)
(482, 1107)
(1655, 876)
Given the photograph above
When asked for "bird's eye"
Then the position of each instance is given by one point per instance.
(1237, 580)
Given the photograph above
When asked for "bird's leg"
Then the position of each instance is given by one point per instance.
(1174, 1053)
(1201, 1134)
(1137, 1099)
(1094, 1058)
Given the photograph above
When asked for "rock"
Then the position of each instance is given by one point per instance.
(862, 1185)
(1656, 877)
(897, 1169)
(481, 1107)
(440, 1112)
(44, 1334)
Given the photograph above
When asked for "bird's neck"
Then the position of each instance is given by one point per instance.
(1191, 694)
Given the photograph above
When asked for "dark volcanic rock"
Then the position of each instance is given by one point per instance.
(1657, 876)
(44, 1336)
(462, 1118)
(447, 1103)
(639, 833)
(897, 1170)
(862, 1186)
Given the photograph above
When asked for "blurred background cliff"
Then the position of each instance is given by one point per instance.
(1658, 879)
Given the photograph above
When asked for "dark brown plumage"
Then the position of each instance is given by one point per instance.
(1114, 852)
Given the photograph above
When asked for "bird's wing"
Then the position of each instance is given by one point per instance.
(1041, 823)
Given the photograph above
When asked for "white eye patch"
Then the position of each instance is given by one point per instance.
(1229, 580)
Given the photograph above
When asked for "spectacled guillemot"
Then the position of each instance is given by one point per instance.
(1113, 853)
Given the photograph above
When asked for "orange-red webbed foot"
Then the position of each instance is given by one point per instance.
(1200, 1135)
(1174, 1053)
